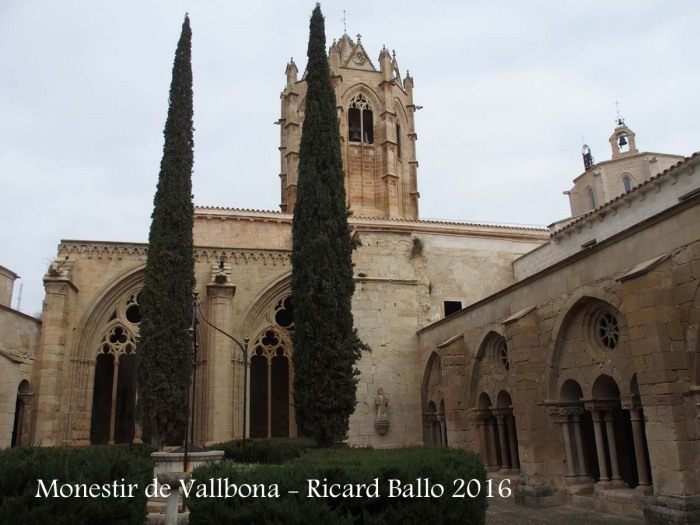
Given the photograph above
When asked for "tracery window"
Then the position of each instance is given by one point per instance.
(114, 392)
(271, 375)
(608, 330)
(503, 354)
(360, 120)
(591, 198)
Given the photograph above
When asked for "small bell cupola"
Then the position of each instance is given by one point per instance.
(606, 180)
(622, 140)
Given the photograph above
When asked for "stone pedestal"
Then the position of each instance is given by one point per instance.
(170, 470)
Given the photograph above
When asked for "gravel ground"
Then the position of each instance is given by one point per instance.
(503, 511)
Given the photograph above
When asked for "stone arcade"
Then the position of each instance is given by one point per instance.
(568, 357)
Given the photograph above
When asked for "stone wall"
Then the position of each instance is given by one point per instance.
(648, 277)
(7, 282)
(19, 337)
(402, 281)
(404, 272)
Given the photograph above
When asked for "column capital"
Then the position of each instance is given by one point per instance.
(560, 413)
(631, 402)
(480, 414)
(601, 404)
(25, 397)
(224, 290)
(501, 413)
(58, 285)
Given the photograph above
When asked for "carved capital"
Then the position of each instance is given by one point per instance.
(563, 413)
(480, 415)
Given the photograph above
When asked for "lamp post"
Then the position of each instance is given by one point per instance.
(189, 430)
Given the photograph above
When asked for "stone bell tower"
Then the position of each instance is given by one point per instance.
(378, 139)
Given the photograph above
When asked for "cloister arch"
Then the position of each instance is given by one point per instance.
(433, 403)
(593, 394)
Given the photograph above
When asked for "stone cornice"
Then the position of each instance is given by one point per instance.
(138, 252)
(380, 223)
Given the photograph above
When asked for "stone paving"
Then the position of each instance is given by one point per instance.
(504, 511)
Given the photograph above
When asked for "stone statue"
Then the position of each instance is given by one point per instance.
(382, 422)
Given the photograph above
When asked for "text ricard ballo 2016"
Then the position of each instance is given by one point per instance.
(314, 488)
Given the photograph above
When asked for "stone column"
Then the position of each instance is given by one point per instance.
(492, 443)
(570, 469)
(51, 363)
(478, 417)
(578, 438)
(560, 414)
(268, 359)
(501, 428)
(113, 406)
(443, 431)
(220, 395)
(428, 428)
(638, 435)
(611, 445)
(514, 456)
(600, 444)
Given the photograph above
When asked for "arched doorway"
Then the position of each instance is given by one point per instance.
(434, 422)
(20, 429)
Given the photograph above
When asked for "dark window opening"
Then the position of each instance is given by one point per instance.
(360, 121)
(398, 140)
(627, 183)
(355, 125)
(452, 307)
(258, 397)
(367, 127)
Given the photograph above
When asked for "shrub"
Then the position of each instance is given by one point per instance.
(22, 468)
(267, 451)
(416, 467)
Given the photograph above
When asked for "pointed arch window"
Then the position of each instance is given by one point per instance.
(360, 120)
(591, 198)
(398, 140)
(114, 398)
(627, 183)
(272, 376)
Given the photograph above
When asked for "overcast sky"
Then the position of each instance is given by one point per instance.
(508, 89)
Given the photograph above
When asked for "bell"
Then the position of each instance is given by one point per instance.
(623, 141)
(354, 135)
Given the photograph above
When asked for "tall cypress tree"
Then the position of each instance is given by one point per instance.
(164, 360)
(326, 346)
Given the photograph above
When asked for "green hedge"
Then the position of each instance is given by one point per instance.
(442, 467)
(273, 451)
(22, 468)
